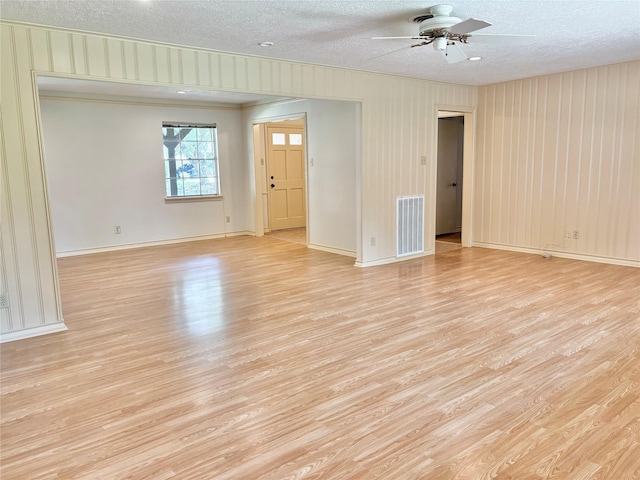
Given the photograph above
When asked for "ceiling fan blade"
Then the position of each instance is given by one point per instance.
(454, 54)
(467, 26)
(426, 42)
(406, 47)
(415, 37)
(498, 38)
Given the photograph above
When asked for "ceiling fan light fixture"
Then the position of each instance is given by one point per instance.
(440, 44)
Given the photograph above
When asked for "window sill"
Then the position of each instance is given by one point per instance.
(195, 198)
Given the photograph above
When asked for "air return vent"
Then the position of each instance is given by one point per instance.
(410, 225)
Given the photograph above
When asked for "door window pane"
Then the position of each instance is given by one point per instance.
(278, 139)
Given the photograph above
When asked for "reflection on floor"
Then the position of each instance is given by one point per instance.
(448, 242)
(294, 235)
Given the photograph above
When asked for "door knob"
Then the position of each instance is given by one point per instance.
(454, 184)
(273, 185)
(271, 177)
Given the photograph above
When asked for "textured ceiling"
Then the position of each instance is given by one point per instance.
(571, 35)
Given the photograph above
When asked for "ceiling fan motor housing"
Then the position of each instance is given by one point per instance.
(439, 21)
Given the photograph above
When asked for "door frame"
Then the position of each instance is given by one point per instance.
(286, 128)
(260, 167)
(469, 114)
(449, 166)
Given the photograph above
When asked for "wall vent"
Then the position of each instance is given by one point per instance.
(410, 225)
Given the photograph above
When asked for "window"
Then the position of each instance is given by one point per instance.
(190, 160)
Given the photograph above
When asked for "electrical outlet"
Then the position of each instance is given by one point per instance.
(567, 234)
(228, 219)
(4, 300)
(373, 241)
(576, 234)
(117, 230)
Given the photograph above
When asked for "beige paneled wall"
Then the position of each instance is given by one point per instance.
(561, 154)
(398, 126)
(28, 260)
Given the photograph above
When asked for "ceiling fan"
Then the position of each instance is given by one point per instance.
(445, 33)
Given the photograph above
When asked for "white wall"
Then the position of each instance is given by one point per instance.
(105, 167)
(332, 129)
(561, 153)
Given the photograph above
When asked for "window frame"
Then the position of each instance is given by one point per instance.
(167, 158)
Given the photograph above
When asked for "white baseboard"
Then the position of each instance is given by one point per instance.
(338, 251)
(386, 261)
(32, 332)
(127, 246)
(239, 234)
(562, 254)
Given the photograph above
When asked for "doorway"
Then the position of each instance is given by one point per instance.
(280, 148)
(449, 183)
(450, 169)
(286, 197)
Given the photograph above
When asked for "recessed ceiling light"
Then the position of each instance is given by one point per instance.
(182, 92)
(266, 44)
(474, 59)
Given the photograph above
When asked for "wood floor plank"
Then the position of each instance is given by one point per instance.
(255, 358)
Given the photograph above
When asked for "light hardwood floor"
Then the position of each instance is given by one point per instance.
(295, 235)
(253, 358)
